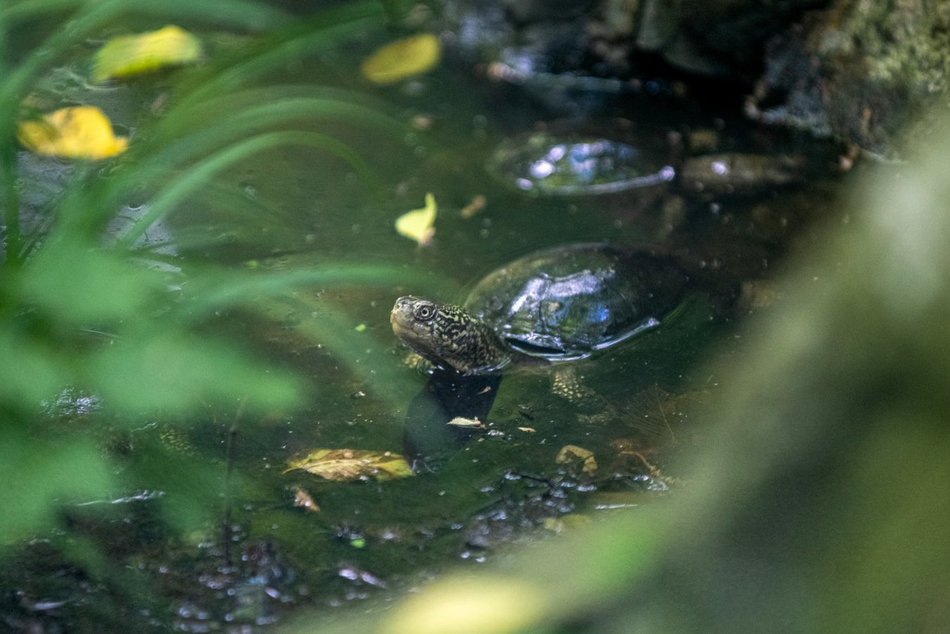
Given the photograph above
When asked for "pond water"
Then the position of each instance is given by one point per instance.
(262, 557)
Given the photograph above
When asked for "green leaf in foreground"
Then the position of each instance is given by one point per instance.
(38, 474)
(175, 372)
(32, 370)
(80, 284)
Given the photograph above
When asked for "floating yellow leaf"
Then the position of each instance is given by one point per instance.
(77, 132)
(469, 423)
(130, 55)
(419, 224)
(352, 464)
(573, 455)
(474, 207)
(470, 606)
(403, 58)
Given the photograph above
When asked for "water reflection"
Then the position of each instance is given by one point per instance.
(429, 441)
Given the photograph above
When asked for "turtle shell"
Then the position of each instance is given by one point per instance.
(577, 164)
(568, 301)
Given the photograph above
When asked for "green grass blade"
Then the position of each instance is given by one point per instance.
(234, 13)
(180, 143)
(20, 9)
(244, 14)
(274, 106)
(82, 24)
(206, 170)
(212, 293)
(92, 15)
(323, 33)
(335, 330)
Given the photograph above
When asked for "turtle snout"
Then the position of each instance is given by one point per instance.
(401, 313)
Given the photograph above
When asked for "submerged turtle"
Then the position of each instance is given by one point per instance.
(578, 163)
(558, 304)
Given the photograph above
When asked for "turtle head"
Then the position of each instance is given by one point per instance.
(448, 336)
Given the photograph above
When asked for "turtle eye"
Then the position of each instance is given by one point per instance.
(424, 312)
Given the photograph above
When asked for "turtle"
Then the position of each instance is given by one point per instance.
(559, 304)
(563, 161)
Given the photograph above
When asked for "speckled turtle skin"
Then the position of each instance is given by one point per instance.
(446, 335)
(557, 304)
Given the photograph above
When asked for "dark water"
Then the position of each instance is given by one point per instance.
(262, 558)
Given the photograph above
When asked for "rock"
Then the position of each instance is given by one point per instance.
(859, 71)
(855, 70)
(735, 173)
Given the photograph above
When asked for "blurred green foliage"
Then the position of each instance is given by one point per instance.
(89, 311)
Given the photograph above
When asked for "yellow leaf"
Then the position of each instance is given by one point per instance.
(352, 464)
(462, 422)
(470, 606)
(77, 132)
(419, 224)
(474, 207)
(403, 58)
(130, 55)
(572, 455)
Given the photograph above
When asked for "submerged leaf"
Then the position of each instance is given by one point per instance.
(574, 455)
(130, 55)
(466, 423)
(352, 464)
(419, 224)
(305, 501)
(403, 58)
(474, 207)
(76, 132)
